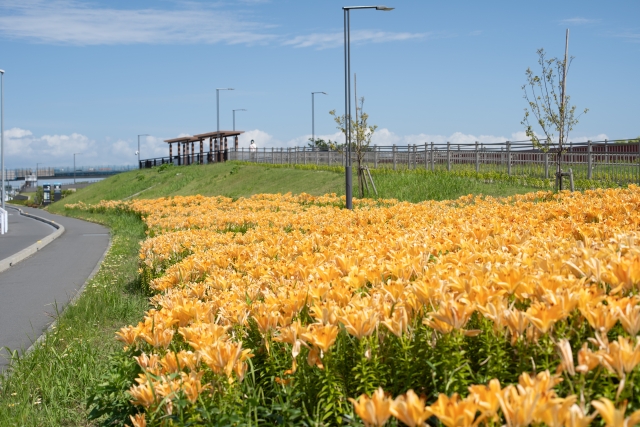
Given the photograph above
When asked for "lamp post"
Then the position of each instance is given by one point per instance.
(313, 118)
(138, 152)
(347, 97)
(218, 108)
(2, 134)
(74, 167)
(234, 117)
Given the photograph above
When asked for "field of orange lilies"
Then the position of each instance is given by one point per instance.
(281, 309)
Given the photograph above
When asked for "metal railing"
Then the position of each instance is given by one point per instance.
(65, 172)
(616, 161)
(204, 158)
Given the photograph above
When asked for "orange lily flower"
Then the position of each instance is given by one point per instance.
(374, 411)
(615, 417)
(410, 409)
(453, 412)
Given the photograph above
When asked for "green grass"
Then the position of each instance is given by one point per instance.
(49, 386)
(226, 179)
(416, 187)
(237, 179)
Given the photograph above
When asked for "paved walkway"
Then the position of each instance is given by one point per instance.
(23, 232)
(32, 288)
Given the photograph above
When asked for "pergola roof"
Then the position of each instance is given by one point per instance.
(181, 139)
(198, 137)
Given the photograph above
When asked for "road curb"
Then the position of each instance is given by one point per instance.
(9, 262)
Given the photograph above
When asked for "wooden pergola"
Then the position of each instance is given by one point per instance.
(218, 147)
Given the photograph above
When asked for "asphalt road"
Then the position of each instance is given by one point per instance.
(31, 289)
(23, 232)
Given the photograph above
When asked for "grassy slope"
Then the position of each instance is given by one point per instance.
(241, 180)
(227, 179)
(51, 385)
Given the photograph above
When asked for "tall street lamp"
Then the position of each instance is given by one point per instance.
(74, 166)
(138, 152)
(313, 119)
(347, 96)
(2, 134)
(218, 107)
(234, 117)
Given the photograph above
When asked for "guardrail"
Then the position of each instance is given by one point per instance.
(4, 221)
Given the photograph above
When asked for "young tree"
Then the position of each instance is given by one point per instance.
(361, 134)
(549, 104)
(322, 145)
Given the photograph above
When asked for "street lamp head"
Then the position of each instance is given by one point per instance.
(385, 8)
(225, 88)
(1, 71)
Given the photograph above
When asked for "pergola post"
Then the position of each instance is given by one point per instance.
(235, 144)
(179, 155)
(201, 151)
(225, 156)
(209, 157)
(170, 153)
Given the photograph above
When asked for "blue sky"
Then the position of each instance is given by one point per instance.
(88, 76)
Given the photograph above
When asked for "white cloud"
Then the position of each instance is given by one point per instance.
(24, 149)
(594, 138)
(261, 138)
(17, 133)
(629, 36)
(75, 23)
(384, 137)
(336, 39)
(71, 22)
(22, 143)
(579, 21)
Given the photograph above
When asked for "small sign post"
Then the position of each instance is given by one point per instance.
(46, 198)
(57, 192)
